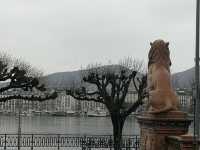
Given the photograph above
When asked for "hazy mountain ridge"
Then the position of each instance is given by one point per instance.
(182, 79)
(68, 79)
(62, 79)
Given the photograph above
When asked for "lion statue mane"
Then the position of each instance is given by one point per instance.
(162, 97)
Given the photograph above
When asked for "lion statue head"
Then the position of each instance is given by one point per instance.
(159, 53)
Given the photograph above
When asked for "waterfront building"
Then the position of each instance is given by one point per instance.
(67, 103)
(185, 99)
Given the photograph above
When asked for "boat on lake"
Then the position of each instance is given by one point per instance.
(71, 113)
(96, 114)
(35, 112)
(59, 113)
(64, 113)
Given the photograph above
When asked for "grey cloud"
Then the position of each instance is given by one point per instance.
(66, 34)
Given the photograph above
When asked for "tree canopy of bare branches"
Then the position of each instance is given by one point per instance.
(16, 75)
(111, 88)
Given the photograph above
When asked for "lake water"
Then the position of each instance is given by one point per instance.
(65, 125)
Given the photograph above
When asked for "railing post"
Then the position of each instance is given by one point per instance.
(84, 143)
(89, 144)
(58, 142)
(110, 142)
(137, 143)
(32, 142)
(5, 142)
(128, 144)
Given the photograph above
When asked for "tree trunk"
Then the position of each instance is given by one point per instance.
(118, 123)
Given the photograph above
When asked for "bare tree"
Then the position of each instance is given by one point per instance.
(111, 84)
(133, 64)
(16, 75)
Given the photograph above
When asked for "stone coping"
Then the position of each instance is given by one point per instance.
(172, 115)
(183, 138)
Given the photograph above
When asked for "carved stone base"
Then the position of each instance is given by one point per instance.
(182, 142)
(155, 128)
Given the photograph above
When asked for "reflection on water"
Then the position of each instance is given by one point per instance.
(65, 125)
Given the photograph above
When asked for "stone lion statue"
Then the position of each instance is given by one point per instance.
(162, 97)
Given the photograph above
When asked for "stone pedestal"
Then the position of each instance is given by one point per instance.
(155, 128)
(182, 142)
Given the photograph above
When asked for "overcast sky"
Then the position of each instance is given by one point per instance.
(63, 35)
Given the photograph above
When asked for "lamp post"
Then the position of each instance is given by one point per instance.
(197, 99)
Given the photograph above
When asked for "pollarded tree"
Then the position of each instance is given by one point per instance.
(110, 87)
(16, 75)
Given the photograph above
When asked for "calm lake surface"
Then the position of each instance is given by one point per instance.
(65, 125)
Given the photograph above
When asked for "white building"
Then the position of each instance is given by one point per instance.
(65, 103)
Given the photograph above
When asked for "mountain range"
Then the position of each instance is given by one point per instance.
(182, 79)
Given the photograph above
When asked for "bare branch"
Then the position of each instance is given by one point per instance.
(141, 95)
(126, 86)
(85, 96)
(132, 64)
(16, 74)
(133, 108)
